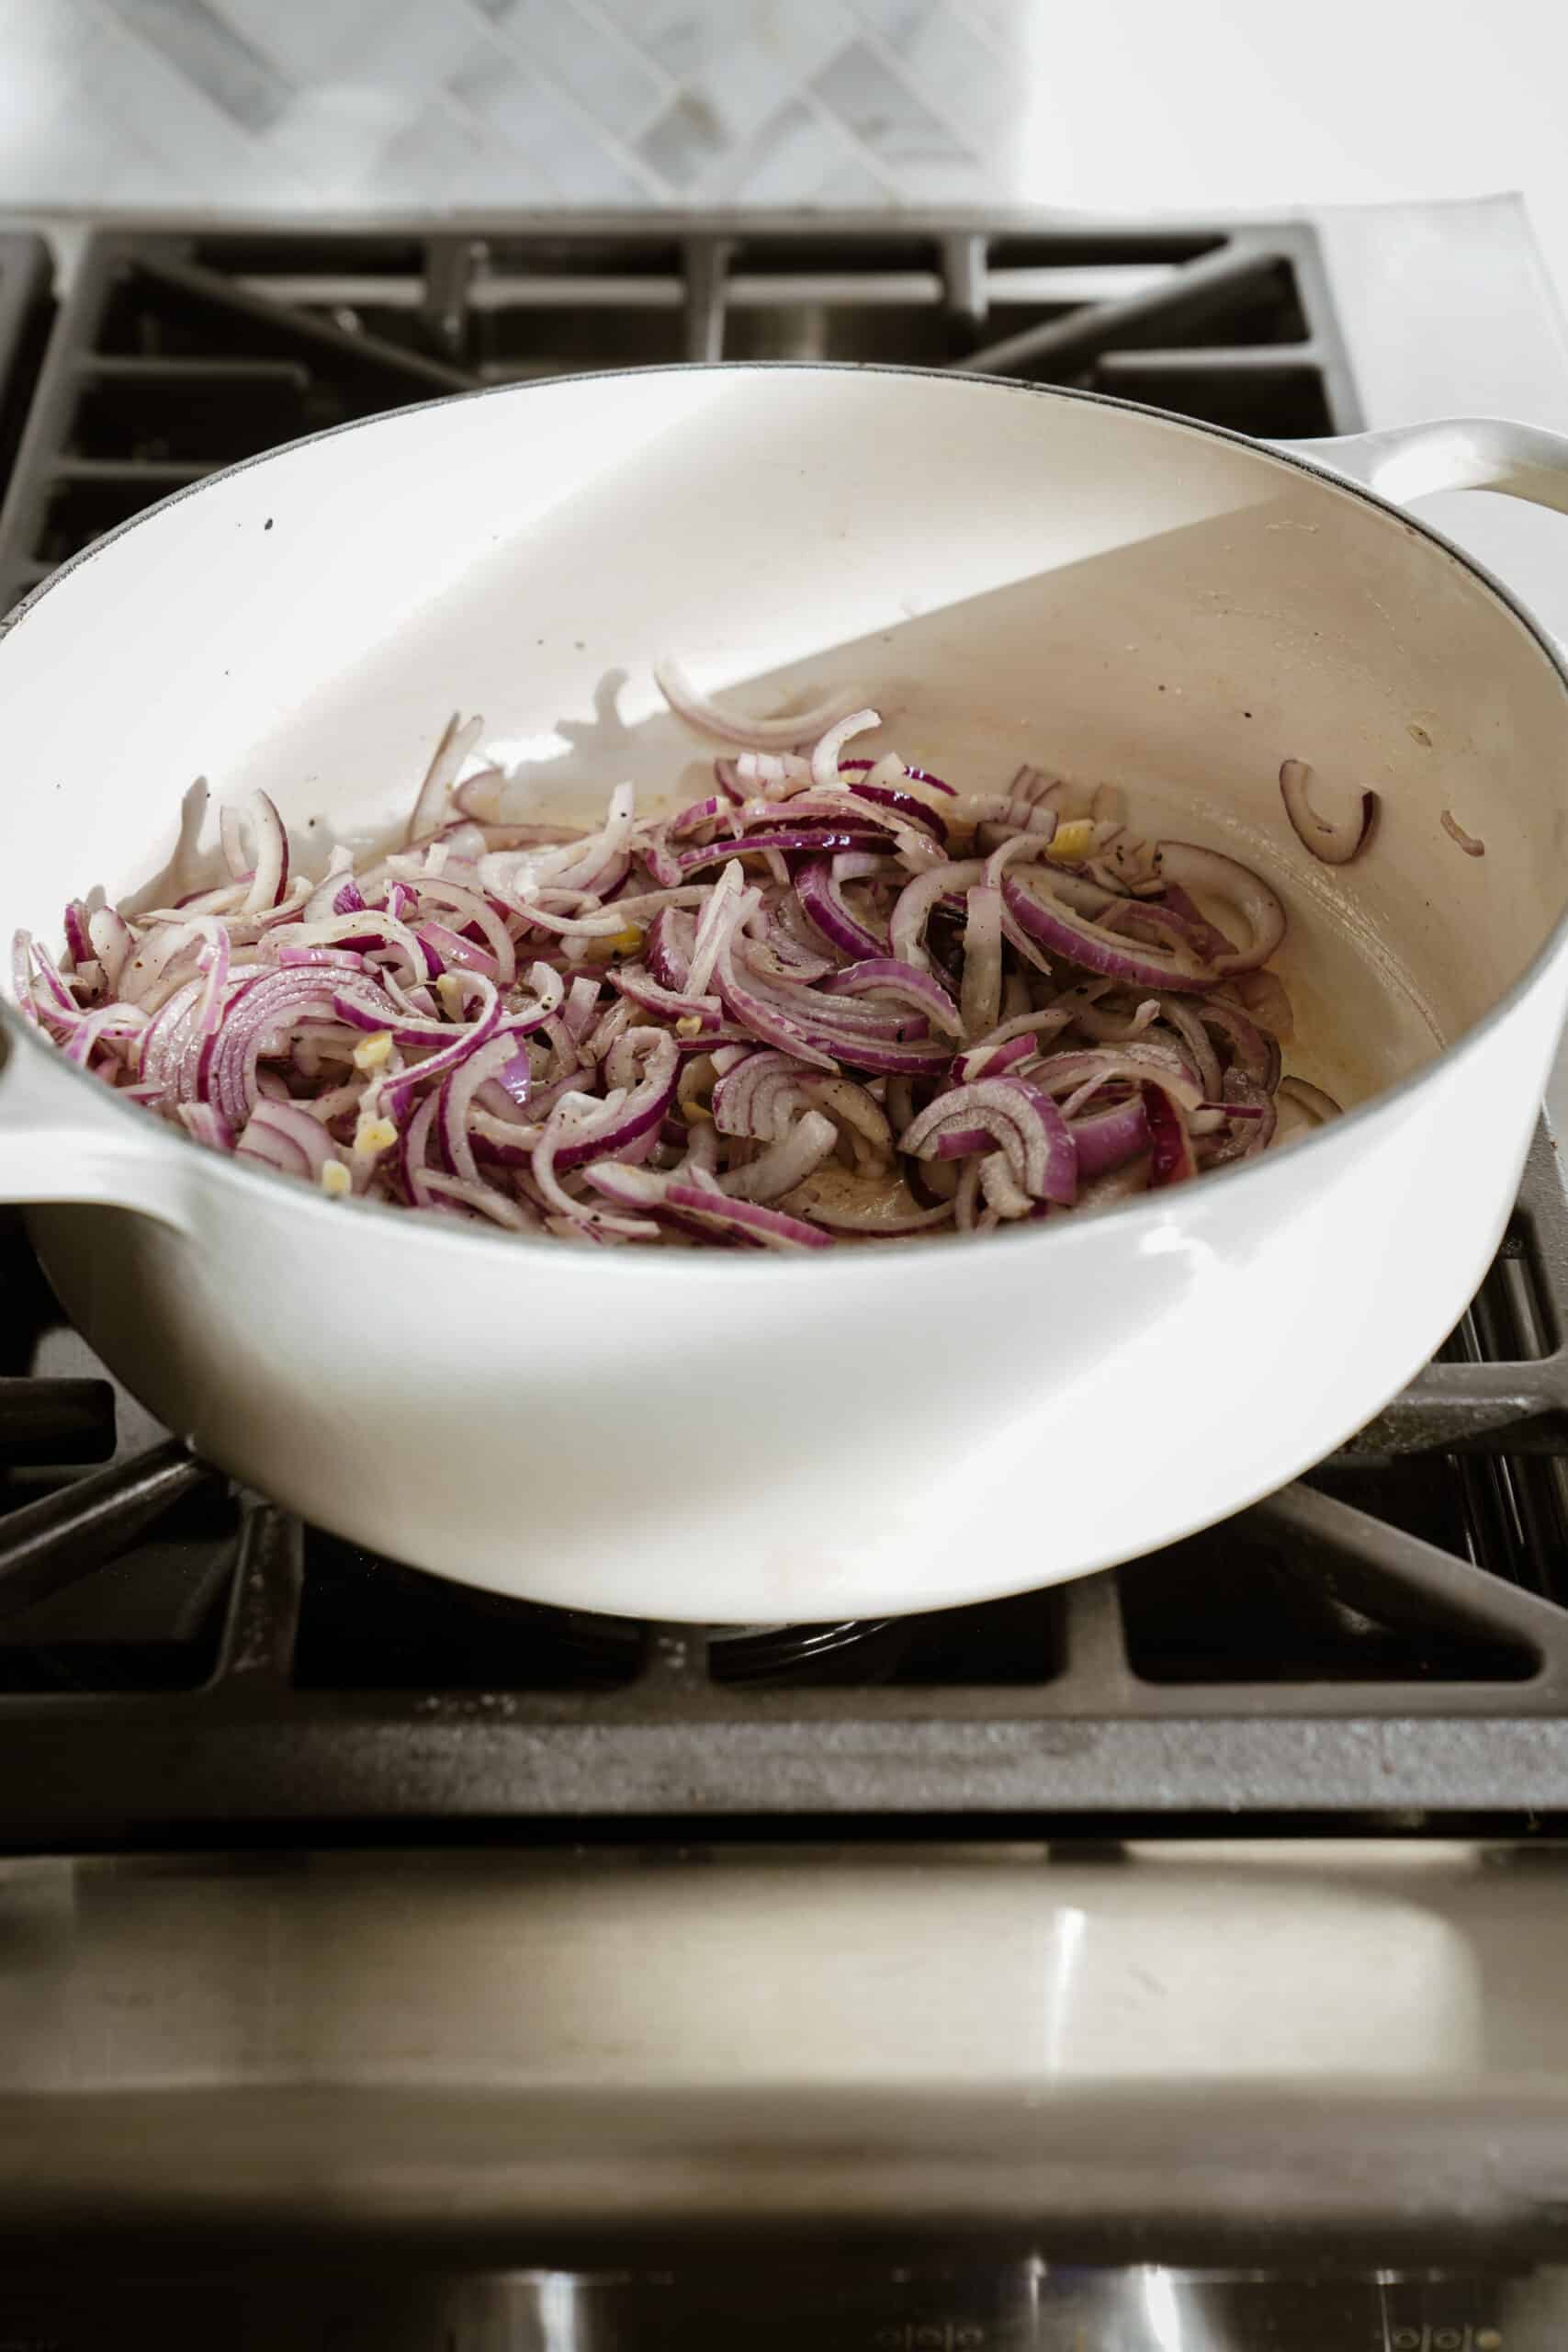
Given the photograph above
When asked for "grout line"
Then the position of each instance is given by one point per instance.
(889, 56)
(853, 146)
(593, 14)
(133, 37)
(986, 33)
(628, 158)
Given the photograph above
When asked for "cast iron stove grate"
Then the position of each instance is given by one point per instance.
(180, 349)
(1385, 1642)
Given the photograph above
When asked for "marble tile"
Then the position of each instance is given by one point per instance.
(741, 60)
(403, 46)
(957, 73)
(393, 103)
(686, 139)
(799, 152)
(447, 163)
(92, 114)
(1012, 26)
(884, 110)
(559, 140)
(589, 57)
(237, 78)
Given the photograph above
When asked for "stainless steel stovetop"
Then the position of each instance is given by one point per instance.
(491, 1959)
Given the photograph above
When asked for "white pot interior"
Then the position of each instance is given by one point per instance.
(1009, 575)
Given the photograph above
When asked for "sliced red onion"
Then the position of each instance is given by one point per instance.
(1002, 1194)
(1108, 1139)
(981, 992)
(730, 906)
(780, 734)
(1456, 833)
(1263, 995)
(617, 1125)
(502, 1059)
(821, 890)
(1317, 1106)
(1209, 869)
(202, 1123)
(1010, 1114)
(859, 776)
(1045, 918)
(1251, 1119)
(711, 1025)
(111, 941)
(1171, 1146)
(894, 1216)
(886, 975)
(1079, 1076)
(826, 750)
(748, 1220)
(1250, 1050)
(1334, 841)
(669, 1004)
(1199, 1052)
(485, 1199)
(820, 840)
(761, 1096)
(458, 739)
(917, 902)
(798, 1153)
(1018, 1039)
(287, 1137)
(268, 860)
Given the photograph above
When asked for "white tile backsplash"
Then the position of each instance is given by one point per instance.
(389, 104)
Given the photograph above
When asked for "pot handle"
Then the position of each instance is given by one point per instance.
(54, 1147)
(1451, 453)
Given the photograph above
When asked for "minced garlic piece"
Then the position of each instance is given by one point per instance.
(336, 1180)
(374, 1051)
(693, 1113)
(372, 1136)
(689, 1025)
(449, 989)
(1071, 841)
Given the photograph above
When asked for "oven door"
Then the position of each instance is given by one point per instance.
(1180, 2097)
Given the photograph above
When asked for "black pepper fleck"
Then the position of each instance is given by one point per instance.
(268, 525)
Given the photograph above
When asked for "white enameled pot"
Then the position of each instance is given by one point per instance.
(1009, 574)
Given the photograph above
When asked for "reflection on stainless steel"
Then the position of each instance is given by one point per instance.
(1231, 2037)
(939, 2300)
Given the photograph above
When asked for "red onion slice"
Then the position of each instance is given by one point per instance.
(820, 893)
(1173, 1161)
(780, 734)
(1108, 1139)
(1209, 869)
(265, 864)
(743, 1026)
(1044, 917)
(1456, 833)
(1317, 1106)
(458, 739)
(1334, 841)
(1007, 1112)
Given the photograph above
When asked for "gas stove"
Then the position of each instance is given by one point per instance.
(1384, 1644)
(1169, 1961)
